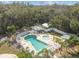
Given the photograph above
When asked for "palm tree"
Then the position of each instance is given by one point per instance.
(24, 55)
(66, 45)
(45, 53)
(72, 41)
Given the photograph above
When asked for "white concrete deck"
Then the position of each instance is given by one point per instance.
(52, 45)
(8, 56)
(26, 44)
(48, 40)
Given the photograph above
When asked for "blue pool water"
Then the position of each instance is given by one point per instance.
(38, 45)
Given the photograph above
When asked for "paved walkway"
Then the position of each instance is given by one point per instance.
(8, 56)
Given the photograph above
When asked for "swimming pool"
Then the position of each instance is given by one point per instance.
(38, 45)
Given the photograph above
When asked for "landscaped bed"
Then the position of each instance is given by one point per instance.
(6, 48)
(68, 52)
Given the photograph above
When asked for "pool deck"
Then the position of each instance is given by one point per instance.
(53, 45)
(27, 44)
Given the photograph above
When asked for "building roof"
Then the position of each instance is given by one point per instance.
(37, 28)
(65, 36)
(49, 29)
(56, 30)
(59, 31)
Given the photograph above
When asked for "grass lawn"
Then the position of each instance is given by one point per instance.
(8, 49)
(5, 48)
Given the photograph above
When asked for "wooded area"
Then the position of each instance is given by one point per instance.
(17, 15)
